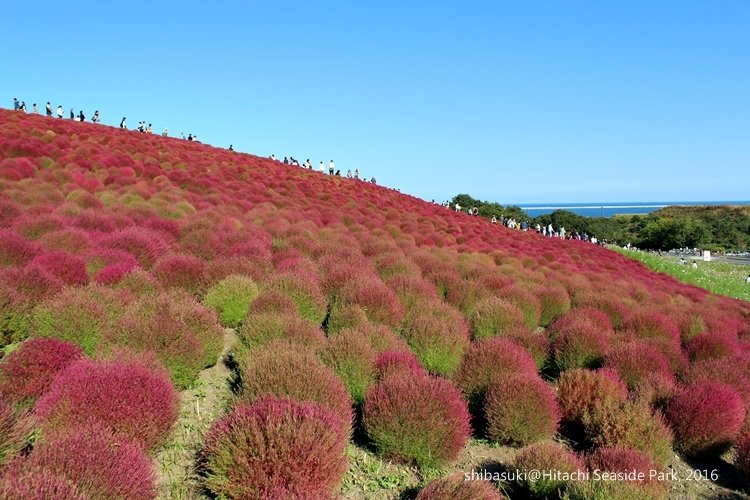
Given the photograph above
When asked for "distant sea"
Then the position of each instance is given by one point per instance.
(609, 209)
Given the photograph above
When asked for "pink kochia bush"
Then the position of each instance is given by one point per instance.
(68, 268)
(380, 303)
(276, 448)
(97, 463)
(28, 482)
(579, 342)
(637, 359)
(457, 487)
(416, 419)
(129, 398)
(706, 417)
(520, 410)
(546, 457)
(180, 271)
(28, 371)
(394, 361)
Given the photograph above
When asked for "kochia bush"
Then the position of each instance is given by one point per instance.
(416, 419)
(580, 390)
(456, 486)
(231, 298)
(438, 335)
(637, 359)
(180, 271)
(706, 417)
(29, 482)
(546, 457)
(520, 410)
(491, 316)
(128, 398)
(350, 355)
(28, 371)
(276, 448)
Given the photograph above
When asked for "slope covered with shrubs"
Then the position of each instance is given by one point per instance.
(362, 314)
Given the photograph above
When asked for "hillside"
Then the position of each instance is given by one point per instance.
(138, 272)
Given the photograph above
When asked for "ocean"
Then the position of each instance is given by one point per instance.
(609, 209)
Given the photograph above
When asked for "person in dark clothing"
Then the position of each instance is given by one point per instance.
(122, 123)
(81, 117)
(16, 104)
(72, 114)
(231, 148)
(190, 137)
(49, 109)
(95, 118)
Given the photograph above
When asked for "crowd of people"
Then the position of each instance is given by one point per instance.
(95, 118)
(332, 170)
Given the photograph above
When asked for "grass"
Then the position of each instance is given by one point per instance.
(717, 277)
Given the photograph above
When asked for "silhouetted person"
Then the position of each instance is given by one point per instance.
(49, 109)
(190, 137)
(72, 114)
(23, 106)
(123, 124)
(231, 148)
(81, 117)
(286, 161)
(338, 172)
(16, 104)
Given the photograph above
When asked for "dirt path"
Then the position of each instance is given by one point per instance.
(199, 407)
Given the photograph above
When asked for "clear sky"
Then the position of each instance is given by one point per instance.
(514, 102)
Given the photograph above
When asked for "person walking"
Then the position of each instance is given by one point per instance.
(356, 173)
(81, 117)
(16, 104)
(23, 106)
(34, 109)
(95, 118)
(59, 111)
(49, 109)
(331, 168)
(72, 114)
(123, 124)
(322, 167)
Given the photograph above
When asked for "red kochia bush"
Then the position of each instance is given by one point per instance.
(652, 324)
(37, 484)
(488, 360)
(546, 457)
(635, 360)
(284, 369)
(579, 390)
(145, 244)
(276, 448)
(68, 268)
(98, 463)
(416, 419)
(380, 303)
(706, 417)
(28, 371)
(180, 271)
(397, 361)
(457, 487)
(622, 459)
(128, 398)
(520, 410)
(15, 250)
(711, 345)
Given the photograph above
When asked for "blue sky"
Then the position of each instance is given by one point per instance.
(515, 102)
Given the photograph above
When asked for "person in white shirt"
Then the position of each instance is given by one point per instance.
(322, 168)
(59, 111)
(331, 168)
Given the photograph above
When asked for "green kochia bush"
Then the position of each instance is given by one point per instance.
(416, 419)
(231, 298)
(353, 359)
(305, 293)
(491, 316)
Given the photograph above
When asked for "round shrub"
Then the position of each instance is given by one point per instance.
(579, 345)
(310, 301)
(260, 329)
(709, 345)
(652, 324)
(637, 359)
(551, 457)
(15, 250)
(378, 301)
(392, 362)
(146, 245)
(536, 343)
(729, 371)
(32, 483)
(185, 336)
(180, 271)
(128, 398)
(654, 390)
(114, 272)
(346, 316)
(438, 335)
(579, 390)
(456, 486)
(582, 318)
(416, 419)
(380, 337)
(137, 282)
(276, 448)
(706, 417)
(526, 302)
(619, 460)
(488, 360)
(628, 424)
(79, 315)
(98, 463)
(231, 298)
(554, 301)
(520, 410)
(66, 267)
(285, 369)
(491, 316)
(28, 371)
(353, 359)
(272, 302)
